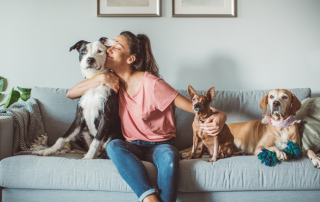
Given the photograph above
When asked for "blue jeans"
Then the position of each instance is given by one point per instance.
(127, 157)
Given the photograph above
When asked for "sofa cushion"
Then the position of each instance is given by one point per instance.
(239, 106)
(41, 195)
(58, 111)
(239, 173)
(65, 172)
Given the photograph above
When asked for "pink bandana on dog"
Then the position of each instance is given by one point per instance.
(279, 124)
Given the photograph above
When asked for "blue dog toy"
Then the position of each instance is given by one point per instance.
(293, 150)
(269, 158)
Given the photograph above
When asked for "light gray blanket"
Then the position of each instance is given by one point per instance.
(27, 124)
(29, 133)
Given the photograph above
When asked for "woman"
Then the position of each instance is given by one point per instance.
(145, 109)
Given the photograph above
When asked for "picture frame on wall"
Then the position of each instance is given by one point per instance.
(129, 8)
(204, 8)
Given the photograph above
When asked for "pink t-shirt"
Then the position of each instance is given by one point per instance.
(148, 115)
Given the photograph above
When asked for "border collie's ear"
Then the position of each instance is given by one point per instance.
(105, 41)
(296, 104)
(191, 92)
(211, 94)
(264, 103)
(78, 45)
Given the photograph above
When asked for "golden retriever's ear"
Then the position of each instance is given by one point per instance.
(211, 94)
(296, 104)
(191, 92)
(263, 103)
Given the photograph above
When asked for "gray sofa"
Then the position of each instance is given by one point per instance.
(68, 178)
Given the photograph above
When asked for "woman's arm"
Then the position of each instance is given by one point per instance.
(213, 125)
(183, 103)
(108, 79)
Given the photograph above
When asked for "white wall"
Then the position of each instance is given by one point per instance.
(271, 44)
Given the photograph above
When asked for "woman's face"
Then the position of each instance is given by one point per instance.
(118, 54)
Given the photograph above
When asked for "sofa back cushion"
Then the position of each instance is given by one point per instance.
(239, 106)
(58, 111)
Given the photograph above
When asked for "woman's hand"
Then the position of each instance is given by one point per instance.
(214, 124)
(111, 80)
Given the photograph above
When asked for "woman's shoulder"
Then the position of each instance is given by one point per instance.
(157, 85)
(151, 78)
(151, 81)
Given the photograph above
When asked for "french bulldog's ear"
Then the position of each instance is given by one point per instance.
(107, 42)
(191, 92)
(211, 94)
(78, 45)
(296, 104)
(263, 103)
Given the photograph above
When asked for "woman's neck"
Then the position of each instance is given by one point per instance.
(125, 75)
(129, 78)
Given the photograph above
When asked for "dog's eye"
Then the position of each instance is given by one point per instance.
(99, 51)
(203, 101)
(284, 97)
(193, 100)
(271, 96)
(84, 51)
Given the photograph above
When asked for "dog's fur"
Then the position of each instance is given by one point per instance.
(250, 137)
(218, 147)
(97, 121)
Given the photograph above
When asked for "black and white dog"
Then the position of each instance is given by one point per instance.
(97, 121)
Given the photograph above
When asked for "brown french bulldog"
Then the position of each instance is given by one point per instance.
(219, 146)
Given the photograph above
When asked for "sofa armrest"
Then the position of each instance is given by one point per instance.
(6, 136)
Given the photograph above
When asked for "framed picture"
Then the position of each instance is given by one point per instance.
(129, 8)
(204, 8)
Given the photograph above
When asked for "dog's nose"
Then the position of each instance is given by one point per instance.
(196, 105)
(90, 61)
(276, 103)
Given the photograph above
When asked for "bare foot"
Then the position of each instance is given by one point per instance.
(151, 198)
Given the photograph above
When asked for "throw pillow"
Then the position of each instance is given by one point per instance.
(309, 128)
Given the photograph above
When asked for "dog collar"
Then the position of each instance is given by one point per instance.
(89, 77)
(280, 124)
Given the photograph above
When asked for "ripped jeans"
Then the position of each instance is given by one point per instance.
(127, 157)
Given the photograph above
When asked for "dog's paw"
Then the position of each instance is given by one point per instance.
(86, 157)
(213, 159)
(314, 158)
(190, 157)
(281, 155)
(44, 153)
(316, 162)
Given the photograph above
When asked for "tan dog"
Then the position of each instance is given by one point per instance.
(250, 137)
(220, 146)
